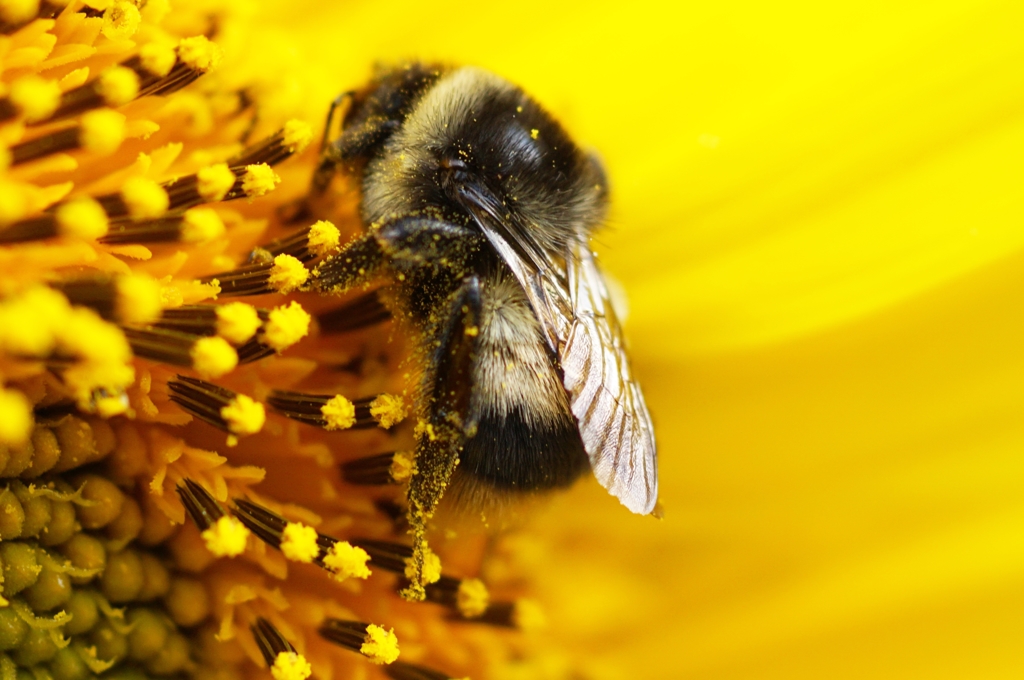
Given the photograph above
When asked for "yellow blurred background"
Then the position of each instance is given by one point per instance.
(818, 218)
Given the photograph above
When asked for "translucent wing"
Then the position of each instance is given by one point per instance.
(571, 302)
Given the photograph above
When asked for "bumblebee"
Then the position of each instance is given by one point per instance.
(479, 210)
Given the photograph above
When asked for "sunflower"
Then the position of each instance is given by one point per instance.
(815, 218)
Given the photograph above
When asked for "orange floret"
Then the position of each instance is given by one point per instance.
(298, 542)
(347, 561)
(381, 646)
(339, 413)
(286, 325)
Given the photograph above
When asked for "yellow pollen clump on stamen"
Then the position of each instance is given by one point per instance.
(226, 537)
(339, 412)
(298, 542)
(259, 179)
(82, 218)
(403, 466)
(287, 274)
(347, 561)
(215, 181)
(145, 198)
(37, 98)
(472, 598)
(199, 53)
(237, 322)
(157, 58)
(297, 136)
(244, 415)
(102, 131)
(324, 238)
(138, 299)
(29, 321)
(290, 666)
(201, 225)
(387, 410)
(286, 325)
(15, 417)
(431, 567)
(213, 357)
(118, 85)
(121, 20)
(381, 646)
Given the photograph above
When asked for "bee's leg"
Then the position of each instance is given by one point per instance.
(358, 261)
(452, 418)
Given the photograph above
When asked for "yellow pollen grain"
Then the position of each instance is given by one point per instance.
(339, 412)
(297, 136)
(213, 357)
(431, 567)
(380, 646)
(287, 274)
(237, 322)
(298, 542)
(472, 598)
(199, 53)
(18, 11)
(82, 218)
(528, 616)
(403, 466)
(118, 85)
(387, 410)
(121, 20)
(226, 537)
(157, 58)
(201, 225)
(15, 417)
(37, 98)
(244, 415)
(290, 666)
(347, 561)
(323, 238)
(215, 181)
(138, 299)
(534, 133)
(101, 131)
(259, 179)
(286, 325)
(145, 198)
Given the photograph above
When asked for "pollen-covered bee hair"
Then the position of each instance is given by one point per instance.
(479, 210)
